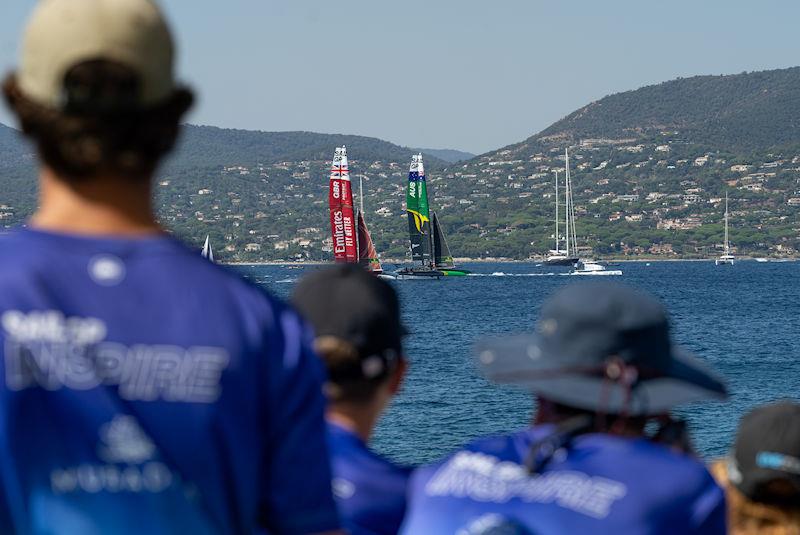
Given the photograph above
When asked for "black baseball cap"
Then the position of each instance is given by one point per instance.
(346, 302)
(602, 346)
(765, 462)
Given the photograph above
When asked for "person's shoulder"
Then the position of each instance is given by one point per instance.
(684, 480)
(646, 451)
(483, 452)
(17, 247)
(350, 454)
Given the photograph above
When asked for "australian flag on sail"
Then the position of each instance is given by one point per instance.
(417, 209)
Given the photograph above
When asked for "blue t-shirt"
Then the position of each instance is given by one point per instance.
(598, 484)
(147, 390)
(370, 491)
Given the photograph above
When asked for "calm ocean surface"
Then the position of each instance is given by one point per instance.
(744, 320)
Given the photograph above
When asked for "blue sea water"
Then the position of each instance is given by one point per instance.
(743, 320)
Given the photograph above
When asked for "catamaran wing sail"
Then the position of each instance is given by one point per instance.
(417, 209)
(441, 252)
(340, 200)
(367, 255)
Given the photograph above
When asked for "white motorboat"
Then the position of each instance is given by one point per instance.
(591, 268)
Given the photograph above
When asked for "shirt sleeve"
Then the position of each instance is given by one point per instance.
(298, 496)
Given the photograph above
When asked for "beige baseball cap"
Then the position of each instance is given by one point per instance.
(64, 33)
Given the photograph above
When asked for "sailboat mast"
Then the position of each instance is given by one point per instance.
(361, 193)
(566, 198)
(557, 240)
(726, 223)
(572, 219)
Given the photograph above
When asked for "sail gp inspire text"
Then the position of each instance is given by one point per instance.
(48, 350)
(485, 478)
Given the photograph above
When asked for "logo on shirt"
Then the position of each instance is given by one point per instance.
(342, 488)
(53, 351)
(485, 478)
(106, 270)
(131, 463)
(123, 441)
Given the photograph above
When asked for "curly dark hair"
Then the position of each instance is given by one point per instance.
(100, 129)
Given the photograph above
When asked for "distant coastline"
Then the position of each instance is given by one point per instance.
(390, 261)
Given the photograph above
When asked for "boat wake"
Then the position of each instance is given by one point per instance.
(503, 274)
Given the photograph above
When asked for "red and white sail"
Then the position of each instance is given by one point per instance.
(367, 255)
(340, 200)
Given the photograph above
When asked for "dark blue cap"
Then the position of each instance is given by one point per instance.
(605, 347)
(346, 302)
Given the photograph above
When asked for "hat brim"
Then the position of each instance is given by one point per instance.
(519, 360)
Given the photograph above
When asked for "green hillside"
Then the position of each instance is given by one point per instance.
(211, 146)
(743, 111)
(650, 168)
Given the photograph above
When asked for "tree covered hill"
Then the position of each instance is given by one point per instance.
(650, 170)
(743, 111)
(448, 155)
(202, 146)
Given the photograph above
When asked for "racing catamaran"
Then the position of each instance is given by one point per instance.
(429, 249)
(351, 241)
(340, 201)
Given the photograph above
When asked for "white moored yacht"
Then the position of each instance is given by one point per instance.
(558, 256)
(726, 259)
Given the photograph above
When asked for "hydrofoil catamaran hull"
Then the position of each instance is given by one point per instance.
(419, 274)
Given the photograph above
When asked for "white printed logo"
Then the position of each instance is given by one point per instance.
(51, 351)
(485, 478)
(342, 488)
(106, 270)
(130, 466)
(123, 441)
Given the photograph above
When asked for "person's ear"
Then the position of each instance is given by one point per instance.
(399, 373)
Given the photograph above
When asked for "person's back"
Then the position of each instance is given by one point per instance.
(141, 379)
(600, 484)
(356, 318)
(603, 454)
(370, 491)
(146, 389)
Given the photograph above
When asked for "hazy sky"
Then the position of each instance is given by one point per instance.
(466, 74)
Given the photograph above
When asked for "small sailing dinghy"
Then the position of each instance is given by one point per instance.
(726, 259)
(351, 240)
(557, 256)
(207, 252)
(429, 249)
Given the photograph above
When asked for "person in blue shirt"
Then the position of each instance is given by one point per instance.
(603, 455)
(356, 317)
(144, 389)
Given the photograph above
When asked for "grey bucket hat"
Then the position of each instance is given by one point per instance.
(601, 347)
